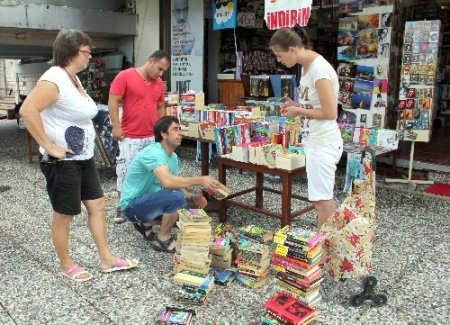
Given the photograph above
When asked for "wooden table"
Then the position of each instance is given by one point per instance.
(286, 176)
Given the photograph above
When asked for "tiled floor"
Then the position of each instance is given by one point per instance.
(437, 151)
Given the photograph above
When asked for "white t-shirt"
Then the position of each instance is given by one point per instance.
(317, 133)
(68, 122)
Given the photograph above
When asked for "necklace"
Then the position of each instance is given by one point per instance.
(73, 79)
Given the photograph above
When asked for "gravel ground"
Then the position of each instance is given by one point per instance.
(411, 258)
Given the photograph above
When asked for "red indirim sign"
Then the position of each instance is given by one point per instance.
(287, 13)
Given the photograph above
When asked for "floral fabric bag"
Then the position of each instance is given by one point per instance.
(350, 233)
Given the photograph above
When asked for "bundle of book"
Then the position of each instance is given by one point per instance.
(253, 262)
(283, 308)
(221, 248)
(175, 315)
(192, 260)
(296, 260)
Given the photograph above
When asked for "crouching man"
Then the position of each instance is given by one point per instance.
(153, 191)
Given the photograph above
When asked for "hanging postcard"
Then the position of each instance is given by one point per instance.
(287, 13)
(224, 14)
(416, 105)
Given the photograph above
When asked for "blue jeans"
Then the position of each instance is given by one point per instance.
(152, 206)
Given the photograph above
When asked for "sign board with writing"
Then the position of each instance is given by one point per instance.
(246, 19)
(187, 46)
(287, 13)
(224, 14)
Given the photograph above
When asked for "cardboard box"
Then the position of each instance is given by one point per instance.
(290, 161)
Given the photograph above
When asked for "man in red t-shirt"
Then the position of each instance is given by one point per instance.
(141, 92)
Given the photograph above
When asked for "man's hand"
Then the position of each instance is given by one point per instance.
(209, 184)
(117, 133)
(199, 200)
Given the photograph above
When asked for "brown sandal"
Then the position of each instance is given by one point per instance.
(163, 246)
(143, 230)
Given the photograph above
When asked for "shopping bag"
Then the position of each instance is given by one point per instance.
(350, 234)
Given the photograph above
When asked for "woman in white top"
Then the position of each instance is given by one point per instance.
(317, 106)
(58, 114)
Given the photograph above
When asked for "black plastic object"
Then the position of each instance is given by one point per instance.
(368, 293)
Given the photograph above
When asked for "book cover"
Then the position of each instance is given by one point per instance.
(289, 308)
(175, 315)
(220, 193)
(256, 233)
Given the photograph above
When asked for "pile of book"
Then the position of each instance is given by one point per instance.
(223, 276)
(253, 262)
(221, 249)
(283, 308)
(256, 233)
(192, 259)
(174, 315)
(296, 261)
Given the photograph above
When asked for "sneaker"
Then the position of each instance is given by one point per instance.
(120, 217)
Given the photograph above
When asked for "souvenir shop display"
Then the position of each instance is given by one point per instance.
(417, 105)
(364, 38)
(95, 80)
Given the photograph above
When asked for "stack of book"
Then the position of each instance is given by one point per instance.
(256, 233)
(192, 259)
(221, 247)
(253, 261)
(174, 315)
(296, 260)
(283, 308)
(223, 277)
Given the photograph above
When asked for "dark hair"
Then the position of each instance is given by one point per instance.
(162, 126)
(286, 37)
(67, 45)
(159, 55)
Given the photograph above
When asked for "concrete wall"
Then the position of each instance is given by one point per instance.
(7, 77)
(106, 5)
(147, 39)
(28, 75)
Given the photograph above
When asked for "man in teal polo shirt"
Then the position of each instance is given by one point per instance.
(153, 191)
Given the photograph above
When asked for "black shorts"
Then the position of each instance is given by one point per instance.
(69, 182)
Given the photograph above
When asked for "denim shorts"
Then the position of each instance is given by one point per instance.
(152, 206)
